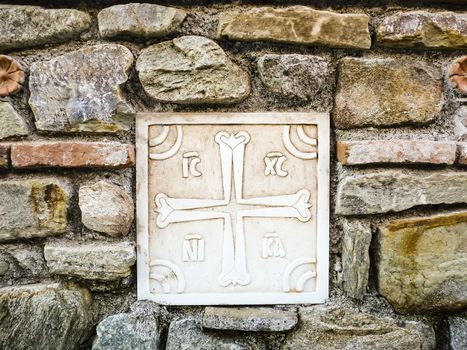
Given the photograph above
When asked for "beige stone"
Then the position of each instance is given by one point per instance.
(395, 190)
(139, 20)
(386, 92)
(421, 262)
(331, 327)
(106, 208)
(101, 261)
(396, 151)
(11, 123)
(297, 25)
(462, 153)
(33, 208)
(424, 30)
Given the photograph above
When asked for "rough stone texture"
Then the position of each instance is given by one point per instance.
(44, 316)
(394, 190)
(425, 30)
(11, 123)
(191, 69)
(249, 319)
(421, 262)
(329, 328)
(80, 90)
(458, 332)
(139, 20)
(355, 258)
(457, 74)
(295, 76)
(28, 258)
(462, 153)
(72, 154)
(297, 25)
(25, 26)
(102, 261)
(33, 208)
(460, 122)
(106, 208)
(4, 156)
(4, 267)
(386, 92)
(187, 334)
(396, 151)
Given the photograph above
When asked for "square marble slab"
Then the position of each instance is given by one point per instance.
(233, 208)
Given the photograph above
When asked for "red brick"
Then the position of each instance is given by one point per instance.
(396, 151)
(4, 156)
(72, 154)
(462, 153)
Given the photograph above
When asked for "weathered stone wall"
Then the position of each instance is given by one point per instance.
(398, 103)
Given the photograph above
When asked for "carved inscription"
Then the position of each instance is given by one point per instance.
(189, 164)
(193, 248)
(274, 162)
(272, 246)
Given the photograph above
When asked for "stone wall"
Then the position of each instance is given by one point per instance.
(70, 84)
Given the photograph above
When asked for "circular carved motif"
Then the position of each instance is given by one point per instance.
(11, 75)
(458, 75)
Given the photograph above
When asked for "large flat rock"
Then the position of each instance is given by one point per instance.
(297, 25)
(33, 208)
(191, 70)
(421, 262)
(44, 316)
(385, 92)
(80, 90)
(394, 190)
(27, 26)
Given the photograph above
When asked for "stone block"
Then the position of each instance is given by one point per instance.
(395, 190)
(457, 332)
(139, 20)
(396, 151)
(4, 156)
(106, 208)
(355, 258)
(191, 70)
(11, 123)
(33, 208)
(462, 153)
(424, 30)
(385, 92)
(101, 261)
(44, 316)
(297, 25)
(250, 319)
(80, 90)
(27, 26)
(72, 154)
(421, 262)
(329, 327)
(295, 76)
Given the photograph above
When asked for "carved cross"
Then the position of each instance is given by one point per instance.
(232, 149)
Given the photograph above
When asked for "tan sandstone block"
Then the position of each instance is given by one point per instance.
(72, 154)
(395, 151)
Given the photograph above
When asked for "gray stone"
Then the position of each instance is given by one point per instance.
(457, 332)
(11, 123)
(33, 208)
(385, 92)
(297, 25)
(355, 258)
(191, 70)
(26, 26)
(187, 334)
(424, 30)
(420, 262)
(44, 316)
(106, 208)
(460, 122)
(29, 258)
(101, 261)
(296, 76)
(4, 267)
(394, 190)
(139, 20)
(80, 90)
(128, 331)
(328, 327)
(250, 319)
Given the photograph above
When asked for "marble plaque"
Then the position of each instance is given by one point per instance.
(233, 208)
